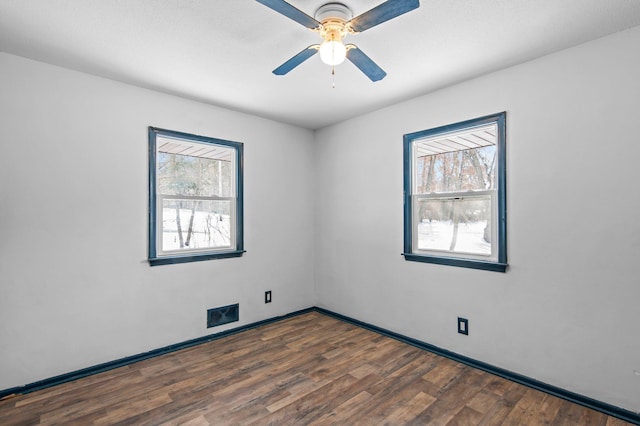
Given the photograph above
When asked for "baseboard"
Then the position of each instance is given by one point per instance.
(74, 375)
(603, 407)
(585, 401)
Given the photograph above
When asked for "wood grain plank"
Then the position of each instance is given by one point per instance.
(466, 417)
(405, 413)
(349, 408)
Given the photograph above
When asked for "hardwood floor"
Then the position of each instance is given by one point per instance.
(310, 369)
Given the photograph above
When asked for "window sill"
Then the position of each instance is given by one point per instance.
(464, 263)
(170, 260)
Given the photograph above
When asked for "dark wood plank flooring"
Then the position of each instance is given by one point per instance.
(310, 369)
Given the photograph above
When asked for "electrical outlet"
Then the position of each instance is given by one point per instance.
(267, 296)
(463, 326)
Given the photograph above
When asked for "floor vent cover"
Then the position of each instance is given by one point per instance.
(222, 315)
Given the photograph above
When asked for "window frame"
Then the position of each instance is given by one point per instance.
(499, 205)
(159, 257)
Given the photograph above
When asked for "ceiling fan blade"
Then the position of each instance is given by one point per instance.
(297, 60)
(382, 13)
(291, 12)
(365, 63)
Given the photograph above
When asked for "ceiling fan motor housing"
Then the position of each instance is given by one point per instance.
(333, 18)
(333, 11)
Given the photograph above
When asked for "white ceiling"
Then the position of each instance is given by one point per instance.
(223, 51)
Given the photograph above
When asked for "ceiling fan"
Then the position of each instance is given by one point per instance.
(333, 22)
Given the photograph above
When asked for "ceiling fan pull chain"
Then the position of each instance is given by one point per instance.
(333, 76)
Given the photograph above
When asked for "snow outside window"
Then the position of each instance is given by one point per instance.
(455, 194)
(195, 197)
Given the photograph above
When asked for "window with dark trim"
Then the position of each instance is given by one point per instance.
(195, 197)
(455, 194)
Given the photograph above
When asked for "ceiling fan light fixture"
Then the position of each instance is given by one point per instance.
(333, 52)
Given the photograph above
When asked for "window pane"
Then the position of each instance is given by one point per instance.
(460, 225)
(196, 224)
(206, 171)
(466, 170)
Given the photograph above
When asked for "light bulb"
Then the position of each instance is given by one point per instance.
(332, 52)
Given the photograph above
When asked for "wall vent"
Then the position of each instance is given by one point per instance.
(222, 315)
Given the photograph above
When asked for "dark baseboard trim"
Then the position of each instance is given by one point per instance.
(74, 375)
(603, 407)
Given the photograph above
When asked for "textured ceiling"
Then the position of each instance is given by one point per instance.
(222, 52)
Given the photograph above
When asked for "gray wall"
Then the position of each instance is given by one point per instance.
(566, 312)
(75, 287)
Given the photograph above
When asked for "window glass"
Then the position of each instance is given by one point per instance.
(195, 224)
(457, 225)
(194, 168)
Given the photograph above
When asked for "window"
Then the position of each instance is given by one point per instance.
(195, 198)
(455, 194)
